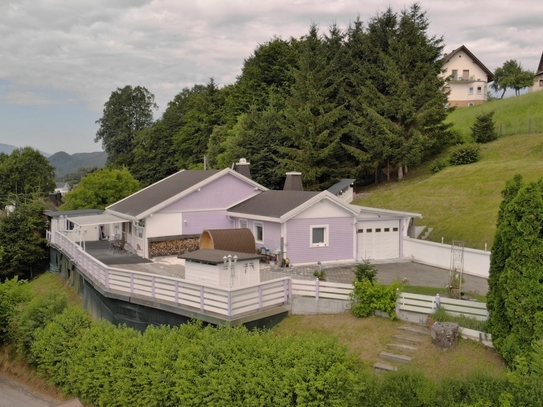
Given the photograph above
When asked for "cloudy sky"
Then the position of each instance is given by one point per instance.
(61, 59)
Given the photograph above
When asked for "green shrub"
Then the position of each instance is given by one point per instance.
(483, 130)
(438, 165)
(37, 314)
(464, 154)
(369, 296)
(13, 293)
(53, 345)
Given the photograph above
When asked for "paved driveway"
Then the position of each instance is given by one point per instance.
(414, 274)
(15, 394)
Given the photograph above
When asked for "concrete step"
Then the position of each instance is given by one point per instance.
(409, 339)
(414, 329)
(395, 357)
(384, 367)
(402, 347)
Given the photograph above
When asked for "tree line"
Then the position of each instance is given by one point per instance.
(343, 103)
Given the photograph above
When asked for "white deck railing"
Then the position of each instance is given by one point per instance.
(229, 303)
(239, 301)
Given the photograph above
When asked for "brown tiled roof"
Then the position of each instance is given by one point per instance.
(234, 240)
(273, 204)
(160, 191)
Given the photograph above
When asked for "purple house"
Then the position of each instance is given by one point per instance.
(167, 218)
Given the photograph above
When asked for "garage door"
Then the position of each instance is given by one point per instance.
(378, 240)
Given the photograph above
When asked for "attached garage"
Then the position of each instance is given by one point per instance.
(379, 239)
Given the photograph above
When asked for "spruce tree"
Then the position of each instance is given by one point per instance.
(483, 130)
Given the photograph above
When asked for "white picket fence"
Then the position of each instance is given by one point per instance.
(321, 289)
(426, 304)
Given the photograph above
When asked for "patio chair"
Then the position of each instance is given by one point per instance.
(118, 247)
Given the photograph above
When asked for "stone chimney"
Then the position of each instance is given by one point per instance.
(293, 182)
(243, 167)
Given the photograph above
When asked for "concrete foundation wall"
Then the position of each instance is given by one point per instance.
(311, 306)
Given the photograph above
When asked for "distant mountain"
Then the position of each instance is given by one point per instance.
(65, 163)
(8, 149)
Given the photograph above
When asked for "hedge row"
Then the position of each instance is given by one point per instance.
(192, 365)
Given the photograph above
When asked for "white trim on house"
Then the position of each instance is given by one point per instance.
(93, 220)
(314, 200)
(325, 237)
(255, 233)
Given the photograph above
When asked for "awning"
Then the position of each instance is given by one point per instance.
(91, 220)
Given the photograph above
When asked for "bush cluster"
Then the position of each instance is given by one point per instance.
(369, 296)
(192, 365)
(464, 154)
(438, 165)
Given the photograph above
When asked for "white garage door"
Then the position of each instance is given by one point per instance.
(379, 240)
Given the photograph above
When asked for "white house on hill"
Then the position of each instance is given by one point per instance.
(467, 78)
(538, 79)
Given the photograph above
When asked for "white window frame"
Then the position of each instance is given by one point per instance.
(243, 223)
(471, 90)
(319, 244)
(479, 90)
(255, 226)
(139, 230)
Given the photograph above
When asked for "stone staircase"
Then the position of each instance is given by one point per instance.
(406, 342)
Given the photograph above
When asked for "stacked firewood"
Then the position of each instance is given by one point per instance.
(173, 247)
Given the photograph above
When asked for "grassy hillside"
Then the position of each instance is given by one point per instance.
(513, 114)
(461, 203)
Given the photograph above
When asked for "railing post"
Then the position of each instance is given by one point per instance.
(153, 287)
(107, 279)
(177, 293)
(286, 290)
(131, 283)
(229, 304)
(398, 300)
(438, 301)
(317, 289)
(260, 297)
(202, 302)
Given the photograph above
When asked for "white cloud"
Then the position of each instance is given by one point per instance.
(88, 48)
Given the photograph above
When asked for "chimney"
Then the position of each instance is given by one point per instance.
(243, 168)
(293, 182)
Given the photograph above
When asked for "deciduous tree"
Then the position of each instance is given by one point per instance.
(23, 247)
(25, 172)
(100, 189)
(511, 76)
(127, 111)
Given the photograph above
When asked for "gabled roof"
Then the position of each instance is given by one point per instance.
(540, 66)
(489, 74)
(164, 192)
(283, 205)
(341, 185)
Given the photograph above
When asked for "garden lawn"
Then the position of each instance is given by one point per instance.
(462, 202)
(365, 338)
